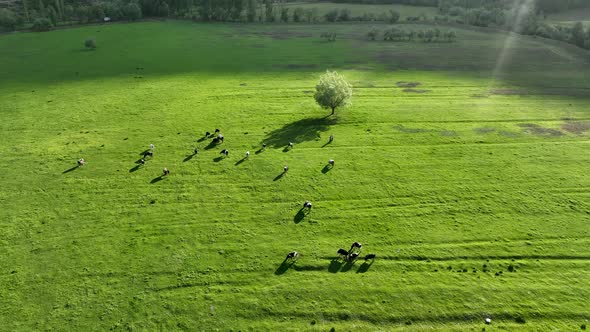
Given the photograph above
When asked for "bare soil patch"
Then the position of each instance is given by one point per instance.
(576, 127)
(506, 92)
(411, 130)
(508, 134)
(538, 130)
(415, 90)
(448, 133)
(403, 84)
(484, 130)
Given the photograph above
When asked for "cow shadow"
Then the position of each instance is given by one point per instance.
(364, 267)
(328, 143)
(143, 152)
(287, 149)
(218, 159)
(259, 151)
(211, 145)
(157, 179)
(299, 131)
(284, 267)
(202, 139)
(348, 266)
(135, 168)
(326, 168)
(278, 177)
(299, 216)
(189, 157)
(335, 266)
(70, 170)
(240, 161)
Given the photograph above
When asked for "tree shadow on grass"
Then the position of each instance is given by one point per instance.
(278, 177)
(299, 216)
(135, 168)
(157, 179)
(326, 168)
(299, 131)
(285, 265)
(240, 161)
(364, 267)
(70, 170)
(335, 266)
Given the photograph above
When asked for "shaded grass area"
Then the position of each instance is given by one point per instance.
(490, 221)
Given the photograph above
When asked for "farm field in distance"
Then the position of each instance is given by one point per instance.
(467, 177)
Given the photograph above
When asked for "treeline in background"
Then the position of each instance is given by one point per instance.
(42, 15)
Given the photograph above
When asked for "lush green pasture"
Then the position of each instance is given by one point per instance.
(360, 9)
(478, 171)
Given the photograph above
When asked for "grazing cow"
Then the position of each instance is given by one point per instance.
(166, 171)
(342, 253)
(147, 154)
(81, 162)
(142, 161)
(292, 256)
(291, 145)
(331, 162)
(247, 154)
(285, 169)
(331, 138)
(220, 138)
(356, 245)
(207, 134)
(217, 130)
(152, 147)
(224, 152)
(352, 256)
(307, 205)
(263, 146)
(196, 151)
(369, 257)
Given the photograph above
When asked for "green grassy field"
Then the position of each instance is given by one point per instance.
(469, 181)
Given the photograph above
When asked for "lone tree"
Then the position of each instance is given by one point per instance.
(332, 91)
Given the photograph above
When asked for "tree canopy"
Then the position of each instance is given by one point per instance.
(332, 91)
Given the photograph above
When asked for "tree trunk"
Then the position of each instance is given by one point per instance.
(333, 108)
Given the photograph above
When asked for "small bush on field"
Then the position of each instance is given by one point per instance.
(90, 44)
(42, 24)
(520, 320)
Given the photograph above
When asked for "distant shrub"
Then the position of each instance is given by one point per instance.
(332, 15)
(8, 19)
(344, 15)
(510, 268)
(393, 16)
(132, 11)
(519, 319)
(90, 44)
(42, 24)
(583, 327)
